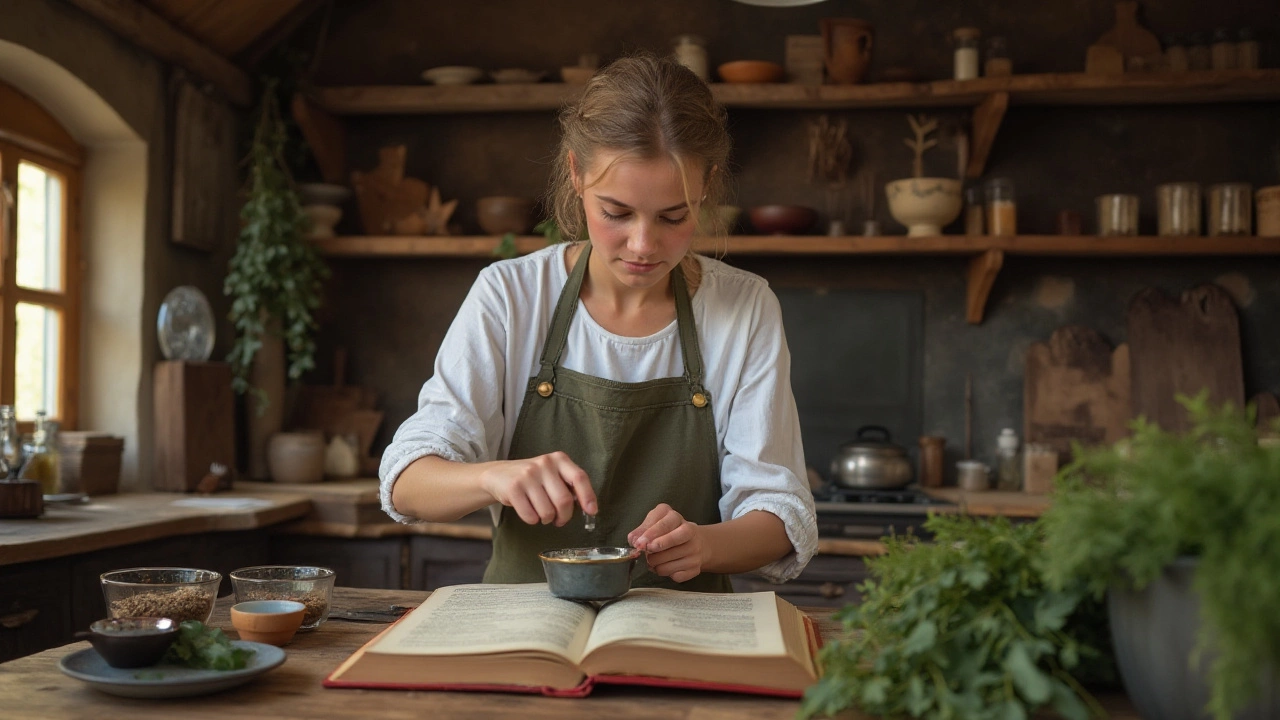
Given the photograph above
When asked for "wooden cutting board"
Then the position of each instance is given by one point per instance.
(1076, 387)
(1182, 346)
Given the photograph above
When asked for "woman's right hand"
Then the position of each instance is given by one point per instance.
(540, 489)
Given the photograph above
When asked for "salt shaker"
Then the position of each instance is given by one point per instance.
(966, 59)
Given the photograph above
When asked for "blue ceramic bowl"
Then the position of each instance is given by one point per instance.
(591, 573)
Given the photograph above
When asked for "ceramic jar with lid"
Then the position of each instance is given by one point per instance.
(966, 55)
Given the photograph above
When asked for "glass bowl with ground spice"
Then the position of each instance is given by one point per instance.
(310, 585)
(161, 592)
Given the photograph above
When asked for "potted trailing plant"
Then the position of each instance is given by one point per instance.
(1182, 534)
(274, 280)
(962, 627)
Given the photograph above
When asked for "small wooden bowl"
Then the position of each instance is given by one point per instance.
(782, 219)
(267, 621)
(750, 71)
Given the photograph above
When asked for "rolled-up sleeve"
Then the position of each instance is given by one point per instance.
(763, 464)
(459, 415)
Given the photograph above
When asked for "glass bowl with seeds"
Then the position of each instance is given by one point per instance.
(161, 592)
(308, 584)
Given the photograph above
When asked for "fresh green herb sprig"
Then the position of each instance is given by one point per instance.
(206, 648)
(1122, 514)
(962, 627)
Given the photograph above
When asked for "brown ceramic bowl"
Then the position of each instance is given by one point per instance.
(268, 621)
(750, 71)
(500, 215)
(782, 219)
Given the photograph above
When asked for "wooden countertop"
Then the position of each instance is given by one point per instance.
(113, 520)
(33, 687)
(993, 502)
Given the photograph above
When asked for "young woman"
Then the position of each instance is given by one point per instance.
(624, 376)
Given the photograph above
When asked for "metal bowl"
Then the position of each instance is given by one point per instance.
(590, 573)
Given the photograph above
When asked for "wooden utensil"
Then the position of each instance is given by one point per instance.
(1075, 388)
(1182, 346)
(1130, 38)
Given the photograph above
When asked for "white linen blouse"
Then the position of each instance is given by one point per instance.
(467, 410)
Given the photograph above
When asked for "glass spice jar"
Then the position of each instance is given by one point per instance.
(1222, 53)
(1175, 54)
(1246, 50)
(1178, 209)
(998, 63)
(1231, 209)
(966, 54)
(1117, 215)
(973, 211)
(691, 52)
(1197, 52)
(1002, 208)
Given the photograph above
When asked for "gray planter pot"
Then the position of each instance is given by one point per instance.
(1154, 632)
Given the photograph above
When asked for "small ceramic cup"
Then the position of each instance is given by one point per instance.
(131, 642)
(267, 621)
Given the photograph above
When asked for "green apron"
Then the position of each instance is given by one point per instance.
(640, 443)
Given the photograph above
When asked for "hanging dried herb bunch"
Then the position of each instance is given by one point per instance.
(275, 277)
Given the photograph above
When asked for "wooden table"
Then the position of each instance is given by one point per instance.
(33, 687)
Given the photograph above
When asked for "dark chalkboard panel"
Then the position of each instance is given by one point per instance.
(857, 359)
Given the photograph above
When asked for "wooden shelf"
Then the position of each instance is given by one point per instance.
(985, 253)
(1043, 89)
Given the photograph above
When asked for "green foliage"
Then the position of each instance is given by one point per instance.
(205, 648)
(506, 248)
(1123, 513)
(275, 276)
(962, 627)
(549, 230)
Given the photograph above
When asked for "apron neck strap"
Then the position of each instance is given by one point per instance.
(558, 334)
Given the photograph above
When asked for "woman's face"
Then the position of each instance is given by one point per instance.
(638, 216)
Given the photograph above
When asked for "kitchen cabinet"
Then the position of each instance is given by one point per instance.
(35, 608)
(361, 563)
(435, 562)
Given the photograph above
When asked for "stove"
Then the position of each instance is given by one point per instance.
(873, 514)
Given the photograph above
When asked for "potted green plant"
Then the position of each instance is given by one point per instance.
(274, 278)
(962, 627)
(1182, 534)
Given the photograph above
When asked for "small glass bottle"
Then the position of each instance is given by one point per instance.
(1178, 209)
(1002, 210)
(1197, 52)
(1231, 209)
(974, 210)
(998, 63)
(42, 465)
(1008, 469)
(1222, 54)
(691, 52)
(10, 443)
(966, 60)
(1176, 58)
(1246, 50)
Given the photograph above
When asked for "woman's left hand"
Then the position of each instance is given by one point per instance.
(673, 546)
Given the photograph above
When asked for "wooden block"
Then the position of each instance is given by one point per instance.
(194, 424)
(20, 499)
(1104, 60)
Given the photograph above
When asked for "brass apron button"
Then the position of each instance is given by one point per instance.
(699, 400)
(545, 389)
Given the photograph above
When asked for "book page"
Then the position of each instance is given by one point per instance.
(480, 619)
(714, 623)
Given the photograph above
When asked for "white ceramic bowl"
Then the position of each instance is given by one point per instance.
(453, 75)
(924, 205)
(323, 218)
(323, 193)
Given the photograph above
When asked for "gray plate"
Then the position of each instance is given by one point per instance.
(167, 681)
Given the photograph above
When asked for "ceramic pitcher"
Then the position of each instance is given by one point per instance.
(846, 48)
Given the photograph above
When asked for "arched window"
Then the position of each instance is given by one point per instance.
(40, 176)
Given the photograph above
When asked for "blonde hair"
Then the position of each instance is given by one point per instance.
(644, 107)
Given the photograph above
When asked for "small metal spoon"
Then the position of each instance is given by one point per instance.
(589, 522)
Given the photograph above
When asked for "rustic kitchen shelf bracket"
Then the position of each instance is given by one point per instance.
(987, 117)
(325, 135)
(983, 270)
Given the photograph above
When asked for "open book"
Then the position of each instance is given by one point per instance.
(521, 638)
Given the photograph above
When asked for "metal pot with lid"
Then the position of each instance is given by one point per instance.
(872, 461)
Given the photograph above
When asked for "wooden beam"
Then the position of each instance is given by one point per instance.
(253, 52)
(325, 135)
(983, 270)
(151, 32)
(986, 123)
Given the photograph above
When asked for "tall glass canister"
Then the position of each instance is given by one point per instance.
(1178, 209)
